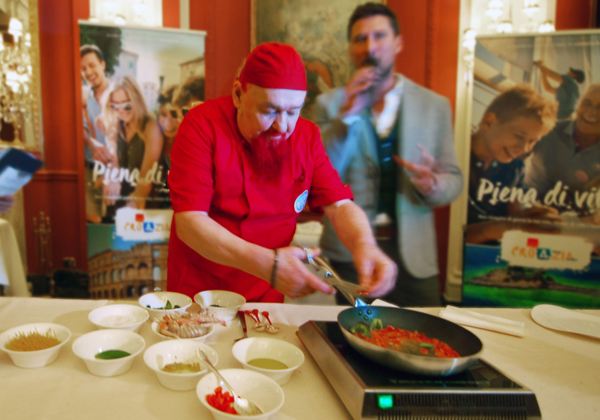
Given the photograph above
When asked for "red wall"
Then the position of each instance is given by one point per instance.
(573, 14)
(430, 30)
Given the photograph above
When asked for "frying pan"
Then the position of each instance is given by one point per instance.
(463, 341)
(460, 339)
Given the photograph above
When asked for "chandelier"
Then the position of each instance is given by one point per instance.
(495, 9)
(15, 77)
(530, 7)
(505, 27)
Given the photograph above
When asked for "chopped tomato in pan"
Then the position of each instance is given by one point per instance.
(409, 342)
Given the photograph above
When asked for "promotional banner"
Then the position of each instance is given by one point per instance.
(533, 229)
(137, 84)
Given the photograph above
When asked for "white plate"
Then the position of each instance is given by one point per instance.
(562, 319)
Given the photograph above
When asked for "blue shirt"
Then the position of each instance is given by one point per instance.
(557, 158)
(94, 111)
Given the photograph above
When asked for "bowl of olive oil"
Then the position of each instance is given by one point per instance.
(272, 357)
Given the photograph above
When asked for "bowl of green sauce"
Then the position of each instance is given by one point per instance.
(272, 357)
(108, 352)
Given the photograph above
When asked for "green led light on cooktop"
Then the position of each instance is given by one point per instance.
(385, 401)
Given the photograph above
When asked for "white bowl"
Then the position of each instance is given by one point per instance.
(178, 351)
(211, 329)
(120, 317)
(249, 349)
(222, 303)
(35, 358)
(151, 301)
(255, 387)
(88, 345)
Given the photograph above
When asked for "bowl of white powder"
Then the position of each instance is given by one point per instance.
(121, 317)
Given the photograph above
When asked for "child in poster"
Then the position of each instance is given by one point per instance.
(533, 231)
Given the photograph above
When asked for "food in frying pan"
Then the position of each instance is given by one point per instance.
(402, 340)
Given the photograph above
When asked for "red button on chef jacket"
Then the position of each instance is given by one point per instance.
(210, 172)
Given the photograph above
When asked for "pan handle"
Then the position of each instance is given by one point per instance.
(329, 276)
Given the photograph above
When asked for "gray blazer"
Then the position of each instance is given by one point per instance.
(425, 118)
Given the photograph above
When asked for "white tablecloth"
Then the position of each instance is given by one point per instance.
(562, 369)
(11, 266)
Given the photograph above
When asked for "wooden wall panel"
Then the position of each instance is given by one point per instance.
(227, 41)
(170, 12)
(57, 190)
(412, 16)
(573, 14)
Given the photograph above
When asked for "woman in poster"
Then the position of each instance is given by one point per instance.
(138, 141)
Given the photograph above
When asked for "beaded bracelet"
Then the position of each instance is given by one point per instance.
(274, 272)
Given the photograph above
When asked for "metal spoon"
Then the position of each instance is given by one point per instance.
(241, 405)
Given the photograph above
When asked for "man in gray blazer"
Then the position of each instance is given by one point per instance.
(391, 140)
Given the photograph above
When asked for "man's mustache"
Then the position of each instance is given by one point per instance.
(370, 62)
(274, 136)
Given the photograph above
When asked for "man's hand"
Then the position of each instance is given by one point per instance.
(421, 174)
(100, 152)
(358, 91)
(376, 271)
(293, 278)
(6, 202)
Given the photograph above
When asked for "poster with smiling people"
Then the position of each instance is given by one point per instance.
(137, 83)
(533, 225)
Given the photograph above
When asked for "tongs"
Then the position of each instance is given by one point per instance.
(353, 292)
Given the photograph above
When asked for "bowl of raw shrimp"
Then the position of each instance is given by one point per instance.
(187, 326)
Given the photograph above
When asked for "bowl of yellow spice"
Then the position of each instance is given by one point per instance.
(34, 345)
(177, 364)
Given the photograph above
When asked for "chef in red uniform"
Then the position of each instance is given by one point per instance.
(243, 168)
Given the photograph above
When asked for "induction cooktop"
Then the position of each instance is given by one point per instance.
(372, 391)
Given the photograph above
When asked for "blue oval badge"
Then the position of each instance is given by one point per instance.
(301, 201)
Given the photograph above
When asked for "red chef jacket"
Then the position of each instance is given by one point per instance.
(210, 172)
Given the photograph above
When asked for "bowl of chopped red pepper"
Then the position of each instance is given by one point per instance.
(256, 387)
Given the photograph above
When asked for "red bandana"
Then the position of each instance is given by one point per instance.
(274, 66)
